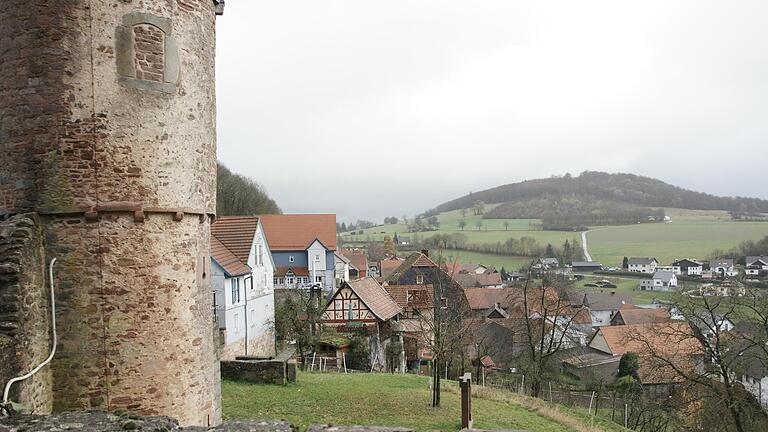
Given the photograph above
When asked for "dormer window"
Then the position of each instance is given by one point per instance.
(291, 258)
(419, 279)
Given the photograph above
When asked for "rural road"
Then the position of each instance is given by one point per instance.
(587, 256)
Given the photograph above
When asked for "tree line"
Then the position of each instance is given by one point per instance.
(523, 246)
(238, 195)
(744, 249)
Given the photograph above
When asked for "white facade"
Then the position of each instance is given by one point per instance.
(317, 264)
(659, 282)
(758, 388)
(342, 269)
(245, 305)
(601, 317)
(726, 269)
(649, 268)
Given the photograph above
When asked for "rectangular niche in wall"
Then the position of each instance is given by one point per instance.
(146, 53)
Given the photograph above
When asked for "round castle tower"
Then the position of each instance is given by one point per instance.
(107, 131)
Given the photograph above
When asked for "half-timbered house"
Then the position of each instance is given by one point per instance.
(363, 307)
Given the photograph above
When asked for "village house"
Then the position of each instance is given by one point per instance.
(416, 285)
(687, 267)
(655, 344)
(243, 289)
(723, 267)
(756, 266)
(303, 248)
(642, 265)
(661, 281)
(387, 265)
(363, 307)
(547, 263)
(343, 267)
(358, 260)
(640, 316)
(602, 305)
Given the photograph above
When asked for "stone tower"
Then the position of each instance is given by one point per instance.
(107, 133)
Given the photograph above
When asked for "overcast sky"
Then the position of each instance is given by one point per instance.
(375, 108)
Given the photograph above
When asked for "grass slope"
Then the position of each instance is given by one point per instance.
(389, 400)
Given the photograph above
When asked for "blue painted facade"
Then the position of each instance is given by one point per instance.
(282, 259)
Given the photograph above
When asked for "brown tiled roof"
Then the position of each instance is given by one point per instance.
(672, 340)
(298, 271)
(236, 233)
(227, 260)
(298, 231)
(389, 265)
(399, 293)
(357, 258)
(375, 298)
(416, 259)
(642, 316)
(486, 298)
(471, 280)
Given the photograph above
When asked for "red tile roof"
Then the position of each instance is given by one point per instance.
(672, 340)
(389, 265)
(486, 298)
(298, 271)
(236, 233)
(423, 295)
(357, 258)
(298, 231)
(376, 298)
(642, 316)
(227, 260)
(473, 280)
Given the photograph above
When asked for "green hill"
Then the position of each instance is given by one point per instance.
(237, 195)
(597, 198)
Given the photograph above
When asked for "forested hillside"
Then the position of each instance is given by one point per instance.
(598, 198)
(237, 195)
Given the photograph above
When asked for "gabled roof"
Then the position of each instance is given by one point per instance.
(487, 298)
(389, 265)
(642, 316)
(688, 261)
(236, 233)
(673, 340)
(375, 297)
(357, 258)
(297, 232)
(722, 262)
(414, 260)
(297, 271)
(602, 301)
(227, 260)
(641, 260)
(753, 259)
(664, 275)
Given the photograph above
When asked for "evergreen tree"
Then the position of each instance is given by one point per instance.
(549, 252)
(628, 365)
(389, 246)
(625, 263)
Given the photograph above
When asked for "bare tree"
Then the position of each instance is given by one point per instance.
(548, 325)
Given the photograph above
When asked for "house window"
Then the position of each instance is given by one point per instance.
(443, 303)
(349, 312)
(276, 281)
(317, 257)
(419, 279)
(318, 279)
(235, 285)
(289, 280)
(291, 258)
(409, 296)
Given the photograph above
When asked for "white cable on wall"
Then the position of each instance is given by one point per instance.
(53, 348)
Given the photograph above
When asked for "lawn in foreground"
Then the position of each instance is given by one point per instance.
(371, 399)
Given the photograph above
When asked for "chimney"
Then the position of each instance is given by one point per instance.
(425, 252)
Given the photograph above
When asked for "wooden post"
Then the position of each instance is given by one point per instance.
(344, 359)
(466, 401)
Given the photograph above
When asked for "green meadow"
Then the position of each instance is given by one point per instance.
(690, 233)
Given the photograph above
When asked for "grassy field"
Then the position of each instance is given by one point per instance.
(511, 263)
(391, 400)
(627, 284)
(691, 233)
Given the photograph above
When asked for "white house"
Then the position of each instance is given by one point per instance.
(642, 265)
(342, 265)
(243, 290)
(723, 267)
(687, 267)
(756, 266)
(661, 281)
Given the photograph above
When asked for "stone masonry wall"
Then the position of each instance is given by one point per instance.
(118, 158)
(278, 372)
(25, 335)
